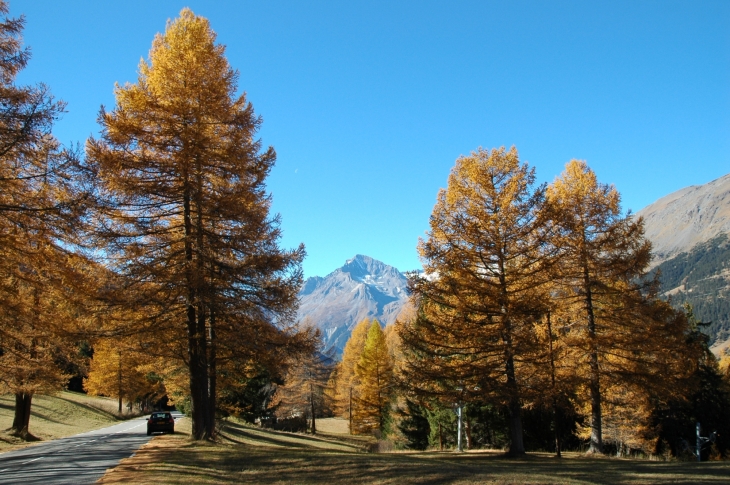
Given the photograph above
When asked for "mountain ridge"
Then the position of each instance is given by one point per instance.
(362, 288)
(679, 221)
(689, 232)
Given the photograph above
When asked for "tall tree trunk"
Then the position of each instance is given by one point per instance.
(517, 446)
(23, 400)
(21, 419)
(212, 375)
(311, 401)
(196, 352)
(556, 411)
(595, 385)
(204, 301)
(204, 369)
(467, 432)
(198, 379)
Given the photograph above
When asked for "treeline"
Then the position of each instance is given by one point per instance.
(149, 264)
(700, 278)
(536, 316)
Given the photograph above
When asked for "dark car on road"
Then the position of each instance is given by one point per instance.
(163, 422)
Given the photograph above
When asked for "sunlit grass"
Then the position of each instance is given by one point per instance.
(252, 455)
(65, 414)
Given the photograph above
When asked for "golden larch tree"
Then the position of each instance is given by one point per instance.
(184, 213)
(118, 370)
(344, 380)
(619, 333)
(304, 392)
(45, 315)
(484, 261)
(374, 373)
(41, 199)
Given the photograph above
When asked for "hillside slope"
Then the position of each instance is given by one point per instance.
(64, 414)
(701, 277)
(689, 232)
(679, 221)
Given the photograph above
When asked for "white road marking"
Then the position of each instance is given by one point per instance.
(89, 434)
(129, 429)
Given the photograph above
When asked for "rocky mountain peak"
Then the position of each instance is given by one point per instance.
(362, 288)
(362, 266)
(690, 216)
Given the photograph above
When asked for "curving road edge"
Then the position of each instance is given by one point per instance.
(79, 459)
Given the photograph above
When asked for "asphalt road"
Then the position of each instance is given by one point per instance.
(80, 459)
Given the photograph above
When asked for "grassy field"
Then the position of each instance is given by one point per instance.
(252, 455)
(65, 414)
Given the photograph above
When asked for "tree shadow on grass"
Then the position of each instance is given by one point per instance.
(95, 410)
(300, 466)
(306, 466)
(289, 440)
(50, 408)
(267, 440)
(195, 463)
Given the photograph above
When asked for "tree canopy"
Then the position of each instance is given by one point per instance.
(483, 260)
(185, 215)
(43, 193)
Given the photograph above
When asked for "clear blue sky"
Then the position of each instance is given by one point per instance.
(369, 103)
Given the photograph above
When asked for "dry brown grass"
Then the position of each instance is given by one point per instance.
(65, 414)
(334, 426)
(250, 455)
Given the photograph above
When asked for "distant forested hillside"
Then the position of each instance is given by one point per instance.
(701, 277)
